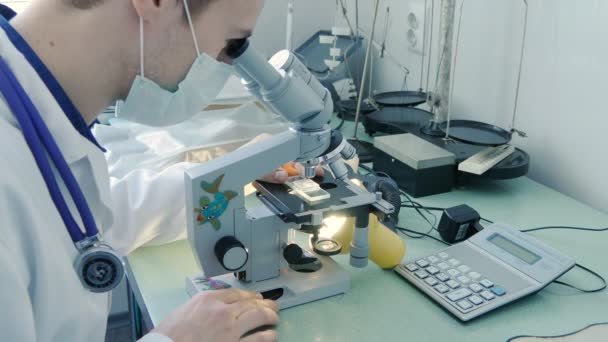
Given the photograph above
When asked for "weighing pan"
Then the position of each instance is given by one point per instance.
(347, 109)
(394, 120)
(477, 133)
(400, 98)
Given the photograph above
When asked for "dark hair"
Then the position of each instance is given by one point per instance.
(195, 6)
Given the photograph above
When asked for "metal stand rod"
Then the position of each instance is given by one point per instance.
(521, 62)
(365, 63)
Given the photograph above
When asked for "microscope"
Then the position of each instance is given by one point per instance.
(252, 248)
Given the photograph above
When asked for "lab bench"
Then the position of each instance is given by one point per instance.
(382, 306)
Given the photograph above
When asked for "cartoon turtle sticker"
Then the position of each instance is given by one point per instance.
(209, 211)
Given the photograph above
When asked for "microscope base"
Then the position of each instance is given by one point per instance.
(296, 287)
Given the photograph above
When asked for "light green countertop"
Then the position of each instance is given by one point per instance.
(383, 307)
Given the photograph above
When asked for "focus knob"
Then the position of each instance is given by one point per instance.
(231, 253)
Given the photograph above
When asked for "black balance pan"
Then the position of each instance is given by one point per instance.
(347, 109)
(400, 98)
(477, 133)
(395, 120)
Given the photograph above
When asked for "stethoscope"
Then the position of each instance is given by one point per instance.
(99, 268)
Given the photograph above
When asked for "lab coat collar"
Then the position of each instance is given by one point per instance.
(68, 107)
(73, 145)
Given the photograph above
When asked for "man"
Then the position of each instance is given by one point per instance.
(73, 58)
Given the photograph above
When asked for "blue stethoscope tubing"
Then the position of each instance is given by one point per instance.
(41, 142)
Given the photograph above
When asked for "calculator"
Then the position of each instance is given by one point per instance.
(493, 268)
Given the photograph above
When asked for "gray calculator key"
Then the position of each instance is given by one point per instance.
(411, 267)
(453, 283)
(463, 279)
(431, 281)
(454, 262)
(465, 305)
(432, 270)
(433, 259)
(486, 283)
(487, 295)
(422, 263)
(421, 274)
(453, 273)
(463, 268)
(443, 255)
(457, 295)
(442, 277)
(441, 288)
(476, 287)
(443, 265)
(475, 299)
(474, 275)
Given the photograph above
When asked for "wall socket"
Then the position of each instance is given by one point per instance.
(414, 30)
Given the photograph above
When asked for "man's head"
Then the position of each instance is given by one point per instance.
(168, 43)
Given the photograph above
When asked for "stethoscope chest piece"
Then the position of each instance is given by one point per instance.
(99, 268)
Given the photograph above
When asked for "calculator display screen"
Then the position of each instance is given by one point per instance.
(514, 249)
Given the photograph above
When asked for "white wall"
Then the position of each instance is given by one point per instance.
(309, 17)
(563, 89)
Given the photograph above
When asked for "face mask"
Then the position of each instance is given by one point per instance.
(149, 104)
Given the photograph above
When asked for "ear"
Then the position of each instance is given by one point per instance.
(151, 9)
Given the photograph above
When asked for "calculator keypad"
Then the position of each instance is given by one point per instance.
(458, 283)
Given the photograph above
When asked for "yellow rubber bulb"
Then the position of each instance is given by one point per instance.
(386, 248)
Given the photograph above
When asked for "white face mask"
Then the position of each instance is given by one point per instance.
(149, 104)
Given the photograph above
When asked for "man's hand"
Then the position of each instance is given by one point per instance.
(222, 315)
(281, 174)
(290, 169)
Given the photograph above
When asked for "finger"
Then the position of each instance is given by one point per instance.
(291, 169)
(262, 336)
(256, 318)
(252, 304)
(319, 170)
(278, 176)
(230, 296)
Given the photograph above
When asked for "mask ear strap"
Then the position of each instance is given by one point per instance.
(141, 46)
(198, 52)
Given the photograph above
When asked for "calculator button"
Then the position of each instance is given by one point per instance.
(421, 274)
(411, 267)
(432, 270)
(442, 277)
(486, 283)
(422, 263)
(475, 299)
(474, 275)
(441, 288)
(454, 273)
(464, 268)
(476, 287)
(443, 255)
(499, 291)
(454, 262)
(457, 295)
(487, 295)
(464, 305)
(464, 279)
(433, 259)
(431, 281)
(453, 283)
(443, 265)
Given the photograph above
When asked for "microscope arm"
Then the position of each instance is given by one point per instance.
(234, 171)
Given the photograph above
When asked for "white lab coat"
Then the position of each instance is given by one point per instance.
(41, 298)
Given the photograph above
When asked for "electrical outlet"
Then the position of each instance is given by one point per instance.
(414, 33)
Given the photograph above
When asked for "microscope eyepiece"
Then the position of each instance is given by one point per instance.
(236, 47)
